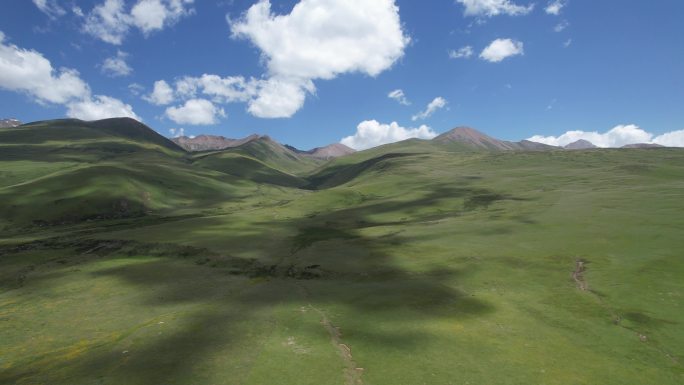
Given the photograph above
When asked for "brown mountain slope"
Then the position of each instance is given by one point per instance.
(478, 140)
(8, 123)
(330, 151)
(210, 142)
(580, 145)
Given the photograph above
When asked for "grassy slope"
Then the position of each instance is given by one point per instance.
(437, 267)
(275, 156)
(248, 168)
(67, 171)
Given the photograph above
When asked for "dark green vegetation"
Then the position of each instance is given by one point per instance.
(124, 260)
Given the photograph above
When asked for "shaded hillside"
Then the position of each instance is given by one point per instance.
(276, 155)
(68, 171)
(79, 140)
(249, 168)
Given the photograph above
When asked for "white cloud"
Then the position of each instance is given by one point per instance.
(372, 133)
(280, 97)
(463, 53)
(116, 66)
(276, 97)
(50, 8)
(110, 21)
(399, 96)
(196, 112)
(136, 88)
(77, 11)
(29, 72)
(154, 15)
(489, 8)
(161, 95)
(436, 104)
(616, 137)
(501, 49)
(221, 90)
(555, 7)
(567, 43)
(560, 27)
(670, 139)
(100, 107)
(318, 39)
(177, 132)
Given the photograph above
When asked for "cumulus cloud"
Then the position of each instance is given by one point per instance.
(154, 15)
(501, 49)
(616, 137)
(221, 89)
(280, 97)
(77, 11)
(318, 39)
(108, 22)
(111, 20)
(462, 53)
(489, 8)
(372, 133)
(161, 95)
(555, 7)
(100, 107)
(50, 8)
(116, 66)
(670, 139)
(28, 72)
(560, 27)
(136, 88)
(399, 96)
(195, 112)
(436, 104)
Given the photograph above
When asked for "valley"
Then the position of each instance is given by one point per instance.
(125, 259)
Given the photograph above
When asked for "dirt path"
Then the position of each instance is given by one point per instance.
(578, 276)
(352, 373)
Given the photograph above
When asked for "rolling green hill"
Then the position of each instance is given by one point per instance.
(418, 262)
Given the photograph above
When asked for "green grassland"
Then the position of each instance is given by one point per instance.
(124, 260)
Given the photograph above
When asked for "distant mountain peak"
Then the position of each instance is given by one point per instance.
(462, 133)
(478, 140)
(330, 151)
(580, 145)
(8, 123)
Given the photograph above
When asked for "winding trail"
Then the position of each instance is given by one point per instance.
(352, 373)
(578, 277)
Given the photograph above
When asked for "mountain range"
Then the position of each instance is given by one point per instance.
(466, 137)
(469, 137)
(213, 143)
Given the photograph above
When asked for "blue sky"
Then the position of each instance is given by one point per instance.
(311, 72)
